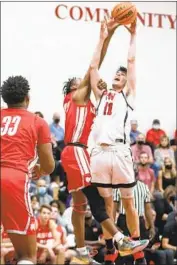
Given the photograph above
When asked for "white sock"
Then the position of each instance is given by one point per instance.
(118, 237)
(25, 262)
(82, 251)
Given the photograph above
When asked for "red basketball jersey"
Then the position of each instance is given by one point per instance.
(21, 132)
(78, 120)
(43, 232)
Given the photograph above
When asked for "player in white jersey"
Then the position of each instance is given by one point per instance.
(111, 160)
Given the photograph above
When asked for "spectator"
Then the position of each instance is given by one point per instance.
(39, 114)
(35, 205)
(48, 238)
(169, 240)
(94, 236)
(134, 132)
(154, 134)
(164, 206)
(59, 219)
(145, 173)
(140, 147)
(56, 129)
(163, 150)
(44, 197)
(154, 252)
(173, 142)
(167, 175)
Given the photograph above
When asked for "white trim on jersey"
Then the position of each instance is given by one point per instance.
(80, 121)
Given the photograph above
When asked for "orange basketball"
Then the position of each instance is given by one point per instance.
(124, 13)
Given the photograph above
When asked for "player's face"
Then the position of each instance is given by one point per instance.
(45, 215)
(120, 80)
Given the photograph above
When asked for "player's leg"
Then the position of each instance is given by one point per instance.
(78, 217)
(25, 247)
(20, 227)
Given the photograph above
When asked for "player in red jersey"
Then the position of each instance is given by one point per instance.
(24, 137)
(75, 159)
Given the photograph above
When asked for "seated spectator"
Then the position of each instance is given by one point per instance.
(66, 254)
(7, 250)
(145, 173)
(48, 238)
(134, 132)
(164, 150)
(41, 192)
(54, 186)
(56, 129)
(140, 147)
(154, 252)
(39, 114)
(60, 220)
(94, 236)
(169, 240)
(167, 175)
(154, 134)
(35, 205)
(164, 206)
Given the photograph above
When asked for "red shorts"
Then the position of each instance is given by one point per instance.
(76, 163)
(16, 212)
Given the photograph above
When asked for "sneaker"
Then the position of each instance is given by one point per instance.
(84, 259)
(129, 247)
(110, 257)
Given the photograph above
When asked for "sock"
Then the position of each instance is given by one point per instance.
(119, 238)
(109, 244)
(82, 251)
(138, 255)
(25, 262)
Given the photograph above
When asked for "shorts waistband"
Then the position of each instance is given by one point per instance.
(117, 141)
(77, 144)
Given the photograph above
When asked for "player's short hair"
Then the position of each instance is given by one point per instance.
(122, 69)
(14, 90)
(45, 206)
(67, 85)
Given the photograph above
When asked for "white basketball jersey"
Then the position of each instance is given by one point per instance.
(112, 117)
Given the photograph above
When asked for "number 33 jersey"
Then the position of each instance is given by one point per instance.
(112, 118)
(21, 132)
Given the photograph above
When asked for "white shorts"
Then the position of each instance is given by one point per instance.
(112, 166)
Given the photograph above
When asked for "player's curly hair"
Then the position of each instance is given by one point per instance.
(67, 85)
(14, 90)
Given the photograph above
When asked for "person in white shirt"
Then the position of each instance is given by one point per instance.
(111, 160)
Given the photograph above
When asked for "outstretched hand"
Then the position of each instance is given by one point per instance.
(112, 25)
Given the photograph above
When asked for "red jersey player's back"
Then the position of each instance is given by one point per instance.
(21, 131)
(78, 122)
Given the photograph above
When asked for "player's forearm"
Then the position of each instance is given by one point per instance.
(105, 48)
(97, 55)
(132, 49)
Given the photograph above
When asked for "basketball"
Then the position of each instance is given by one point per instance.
(124, 13)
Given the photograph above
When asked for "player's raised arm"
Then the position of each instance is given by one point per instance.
(84, 89)
(131, 67)
(106, 33)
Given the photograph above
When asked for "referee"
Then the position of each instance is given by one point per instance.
(142, 200)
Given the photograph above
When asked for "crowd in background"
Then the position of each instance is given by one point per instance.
(155, 160)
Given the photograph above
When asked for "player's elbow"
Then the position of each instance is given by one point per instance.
(48, 166)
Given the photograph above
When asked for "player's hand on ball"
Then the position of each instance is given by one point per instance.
(112, 25)
(103, 30)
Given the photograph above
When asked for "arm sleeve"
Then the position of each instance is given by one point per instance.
(43, 132)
